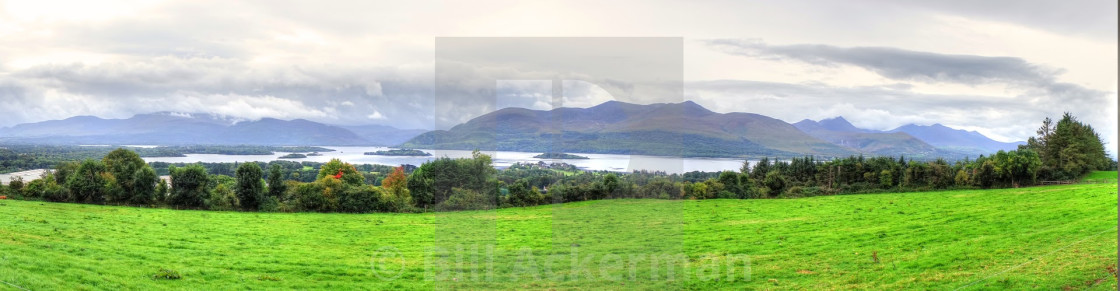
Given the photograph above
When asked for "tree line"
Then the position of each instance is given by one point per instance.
(1064, 150)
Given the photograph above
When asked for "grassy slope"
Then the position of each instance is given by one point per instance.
(1044, 237)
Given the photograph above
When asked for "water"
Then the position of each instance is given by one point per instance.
(502, 159)
(26, 175)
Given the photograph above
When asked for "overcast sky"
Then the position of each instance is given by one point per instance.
(997, 67)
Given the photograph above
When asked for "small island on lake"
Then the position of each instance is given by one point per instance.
(293, 156)
(399, 152)
(560, 156)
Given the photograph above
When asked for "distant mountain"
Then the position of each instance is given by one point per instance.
(670, 129)
(840, 132)
(956, 139)
(383, 134)
(167, 128)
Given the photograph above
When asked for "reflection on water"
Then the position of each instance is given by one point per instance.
(502, 159)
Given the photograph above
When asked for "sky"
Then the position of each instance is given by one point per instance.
(996, 67)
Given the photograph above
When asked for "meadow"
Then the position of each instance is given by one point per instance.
(1050, 237)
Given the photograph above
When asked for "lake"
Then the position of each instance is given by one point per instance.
(502, 159)
(26, 175)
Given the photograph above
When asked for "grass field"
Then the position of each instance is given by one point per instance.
(1101, 176)
(1049, 238)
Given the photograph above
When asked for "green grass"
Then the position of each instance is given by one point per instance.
(1041, 237)
(1103, 176)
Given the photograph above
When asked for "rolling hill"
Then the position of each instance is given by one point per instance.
(167, 128)
(668, 129)
(890, 241)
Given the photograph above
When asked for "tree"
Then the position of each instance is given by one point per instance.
(276, 187)
(775, 182)
(15, 186)
(661, 188)
(1068, 149)
(886, 179)
(133, 183)
(698, 190)
(145, 187)
(1018, 166)
(939, 174)
(985, 176)
(521, 194)
(761, 169)
(250, 186)
(350, 175)
(730, 182)
(63, 170)
(161, 191)
(610, 185)
(188, 186)
(87, 184)
(397, 197)
(434, 181)
(961, 178)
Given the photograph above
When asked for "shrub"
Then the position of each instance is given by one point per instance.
(15, 186)
(270, 204)
(520, 194)
(34, 189)
(465, 199)
(165, 274)
(321, 195)
(794, 192)
(361, 199)
(267, 278)
(222, 198)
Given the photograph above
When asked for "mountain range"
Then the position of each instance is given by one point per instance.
(959, 140)
(840, 132)
(934, 140)
(170, 128)
(667, 129)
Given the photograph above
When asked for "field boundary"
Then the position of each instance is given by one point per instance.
(1071, 182)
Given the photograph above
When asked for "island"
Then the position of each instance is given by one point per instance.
(400, 152)
(293, 156)
(314, 154)
(560, 156)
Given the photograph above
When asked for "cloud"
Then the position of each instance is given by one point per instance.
(900, 64)
(341, 94)
(332, 62)
(917, 66)
(885, 107)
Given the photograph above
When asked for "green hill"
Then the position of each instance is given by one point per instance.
(1031, 238)
(673, 129)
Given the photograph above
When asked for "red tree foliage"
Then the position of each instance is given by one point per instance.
(397, 178)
